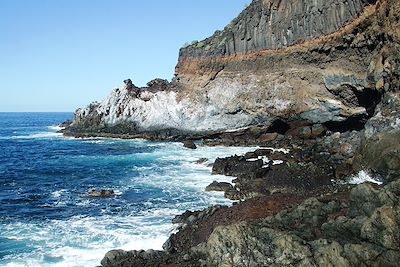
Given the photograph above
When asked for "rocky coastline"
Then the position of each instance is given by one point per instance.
(316, 86)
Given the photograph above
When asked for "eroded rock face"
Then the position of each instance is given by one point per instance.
(324, 62)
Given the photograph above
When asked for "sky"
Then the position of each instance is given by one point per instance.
(59, 55)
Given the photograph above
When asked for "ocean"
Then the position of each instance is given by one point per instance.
(46, 215)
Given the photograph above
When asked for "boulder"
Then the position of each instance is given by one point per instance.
(189, 144)
(219, 186)
(236, 165)
(201, 160)
(114, 257)
(104, 193)
(381, 153)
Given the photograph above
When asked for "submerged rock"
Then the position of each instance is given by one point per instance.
(104, 193)
(201, 160)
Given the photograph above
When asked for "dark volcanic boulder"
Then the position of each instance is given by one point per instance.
(201, 160)
(121, 258)
(236, 165)
(219, 186)
(104, 193)
(381, 153)
(189, 144)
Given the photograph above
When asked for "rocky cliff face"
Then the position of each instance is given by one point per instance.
(325, 62)
(271, 24)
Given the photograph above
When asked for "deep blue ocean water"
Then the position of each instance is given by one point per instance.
(46, 216)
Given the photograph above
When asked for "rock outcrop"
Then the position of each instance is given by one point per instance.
(318, 62)
(361, 233)
(350, 228)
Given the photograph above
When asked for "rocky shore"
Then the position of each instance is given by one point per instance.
(295, 207)
(353, 226)
(315, 84)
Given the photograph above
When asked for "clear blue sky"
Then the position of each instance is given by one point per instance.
(58, 55)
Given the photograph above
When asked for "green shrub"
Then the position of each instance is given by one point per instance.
(200, 45)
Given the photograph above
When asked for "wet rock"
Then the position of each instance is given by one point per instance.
(114, 257)
(219, 186)
(250, 155)
(381, 153)
(235, 165)
(189, 144)
(66, 123)
(104, 193)
(202, 160)
(120, 258)
(263, 152)
(343, 171)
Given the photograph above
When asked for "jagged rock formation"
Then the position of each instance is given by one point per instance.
(360, 228)
(319, 62)
(365, 233)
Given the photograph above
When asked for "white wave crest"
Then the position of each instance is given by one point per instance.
(363, 177)
(84, 240)
(55, 128)
(41, 135)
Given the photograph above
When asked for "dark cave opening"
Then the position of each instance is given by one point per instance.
(369, 99)
(355, 123)
(278, 126)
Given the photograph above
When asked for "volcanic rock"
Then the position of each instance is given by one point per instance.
(219, 186)
(189, 144)
(104, 193)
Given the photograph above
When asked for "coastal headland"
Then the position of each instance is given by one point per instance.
(315, 85)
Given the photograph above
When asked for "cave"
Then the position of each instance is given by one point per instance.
(368, 98)
(278, 126)
(355, 123)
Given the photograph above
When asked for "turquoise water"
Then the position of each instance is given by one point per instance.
(46, 217)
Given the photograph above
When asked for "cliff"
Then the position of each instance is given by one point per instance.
(315, 62)
(268, 24)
